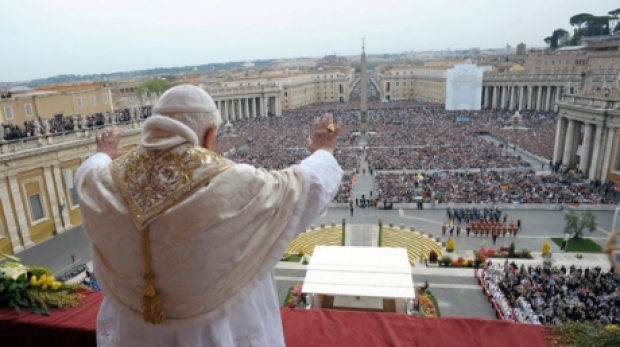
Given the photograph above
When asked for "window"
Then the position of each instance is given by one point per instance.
(8, 112)
(93, 100)
(28, 109)
(79, 102)
(36, 209)
(71, 187)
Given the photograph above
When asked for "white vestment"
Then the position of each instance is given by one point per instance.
(212, 253)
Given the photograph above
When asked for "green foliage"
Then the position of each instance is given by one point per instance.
(580, 19)
(572, 222)
(434, 300)
(511, 250)
(554, 39)
(575, 224)
(588, 220)
(445, 260)
(584, 335)
(584, 245)
(155, 85)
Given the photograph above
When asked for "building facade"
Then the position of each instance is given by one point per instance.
(588, 135)
(427, 84)
(54, 101)
(38, 198)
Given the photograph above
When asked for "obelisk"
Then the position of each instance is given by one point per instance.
(364, 96)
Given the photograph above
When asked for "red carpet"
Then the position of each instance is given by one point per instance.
(302, 328)
(327, 328)
(70, 327)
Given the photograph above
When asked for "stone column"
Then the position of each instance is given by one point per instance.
(233, 111)
(598, 138)
(264, 106)
(608, 148)
(538, 97)
(8, 215)
(247, 108)
(548, 99)
(504, 92)
(529, 97)
(494, 101)
(560, 139)
(254, 107)
(584, 162)
(513, 97)
(224, 110)
(487, 91)
(568, 145)
(19, 210)
(63, 201)
(522, 91)
(49, 183)
(278, 109)
(556, 99)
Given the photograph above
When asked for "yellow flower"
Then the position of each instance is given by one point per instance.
(49, 280)
(612, 328)
(56, 285)
(33, 281)
(44, 287)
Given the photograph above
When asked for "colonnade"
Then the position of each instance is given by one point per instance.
(235, 108)
(521, 97)
(596, 141)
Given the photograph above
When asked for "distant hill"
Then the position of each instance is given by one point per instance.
(60, 79)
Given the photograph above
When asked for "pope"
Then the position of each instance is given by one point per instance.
(184, 241)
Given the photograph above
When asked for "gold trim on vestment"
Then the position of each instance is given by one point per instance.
(150, 182)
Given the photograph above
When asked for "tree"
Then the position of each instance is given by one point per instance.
(554, 39)
(575, 224)
(580, 19)
(572, 223)
(155, 85)
(588, 220)
(598, 25)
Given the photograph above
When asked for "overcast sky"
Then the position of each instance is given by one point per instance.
(47, 38)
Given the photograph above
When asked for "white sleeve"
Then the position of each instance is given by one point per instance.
(324, 174)
(94, 160)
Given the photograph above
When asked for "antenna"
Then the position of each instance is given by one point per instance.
(363, 43)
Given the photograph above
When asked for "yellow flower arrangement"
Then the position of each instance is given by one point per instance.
(34, 288)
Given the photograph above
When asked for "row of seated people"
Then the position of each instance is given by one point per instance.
(493, 187)
(551, 295)
(413, 124)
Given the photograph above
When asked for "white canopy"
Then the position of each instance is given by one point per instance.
(359, 271)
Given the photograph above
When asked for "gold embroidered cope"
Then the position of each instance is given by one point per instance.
(150, 182)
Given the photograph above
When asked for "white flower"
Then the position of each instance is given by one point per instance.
(13, 270)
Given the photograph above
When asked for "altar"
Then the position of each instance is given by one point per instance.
(375, 279)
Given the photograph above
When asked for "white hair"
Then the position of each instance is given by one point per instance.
(199, 122)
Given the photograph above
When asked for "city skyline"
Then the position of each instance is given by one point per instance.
(70, 37)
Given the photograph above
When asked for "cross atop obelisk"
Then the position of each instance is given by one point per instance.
(363, 96)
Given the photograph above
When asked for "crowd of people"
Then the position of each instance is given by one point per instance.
(513, 186)
(553, 296)
(278, 142)
(413, 124)
(63, 124)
